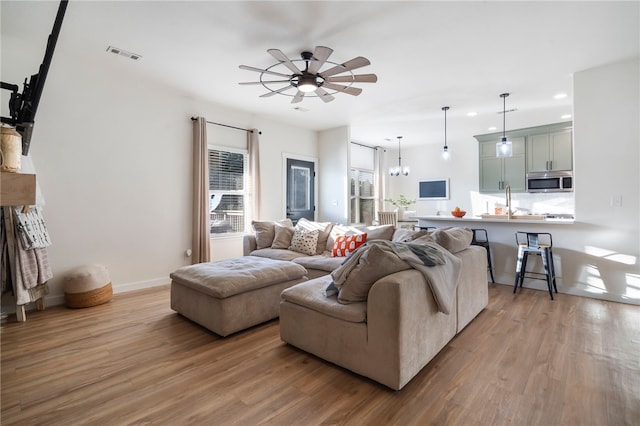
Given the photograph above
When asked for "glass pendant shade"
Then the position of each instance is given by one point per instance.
(445, 153)
(504, 148)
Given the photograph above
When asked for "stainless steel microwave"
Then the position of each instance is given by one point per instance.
(559, 181)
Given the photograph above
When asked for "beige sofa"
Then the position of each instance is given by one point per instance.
(399, 328)
(395, 333)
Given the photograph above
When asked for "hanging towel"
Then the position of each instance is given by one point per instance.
(31, 228)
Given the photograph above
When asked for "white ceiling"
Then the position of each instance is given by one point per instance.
(426, 55)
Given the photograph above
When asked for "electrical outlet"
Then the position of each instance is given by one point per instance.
(616, 201)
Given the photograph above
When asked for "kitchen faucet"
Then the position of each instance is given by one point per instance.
(507, 194)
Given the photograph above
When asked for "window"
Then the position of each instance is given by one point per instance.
(227, 190)
(362, 195)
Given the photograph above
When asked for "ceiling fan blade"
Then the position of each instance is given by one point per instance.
(352, 64)
(320, 55)
(284, 60)
(261, 82)
(361, 78)
(355, 91)
(266, 95)
(298, 97)
(248, 68)
(322, 94)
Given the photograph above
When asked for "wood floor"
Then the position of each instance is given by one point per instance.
(525, 360)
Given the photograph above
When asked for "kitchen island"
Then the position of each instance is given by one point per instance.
(501, 232)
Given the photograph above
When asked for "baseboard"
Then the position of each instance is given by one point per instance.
(58, 299)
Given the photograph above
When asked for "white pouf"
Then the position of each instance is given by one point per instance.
(86, 286)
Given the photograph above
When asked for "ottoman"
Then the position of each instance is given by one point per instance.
(233, 294)
(86, 286)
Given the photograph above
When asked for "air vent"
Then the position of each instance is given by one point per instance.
(124, 53)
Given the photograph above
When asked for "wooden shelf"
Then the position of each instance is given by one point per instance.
(17, 189)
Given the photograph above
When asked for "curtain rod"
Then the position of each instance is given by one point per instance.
(366, 146)
(226, 125)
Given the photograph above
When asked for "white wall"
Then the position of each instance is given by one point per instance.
(333, 168)
(112, 151)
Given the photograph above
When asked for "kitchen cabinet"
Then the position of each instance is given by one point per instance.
(550, 151)
(496, 173)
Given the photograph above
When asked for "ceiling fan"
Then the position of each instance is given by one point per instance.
(311, 79)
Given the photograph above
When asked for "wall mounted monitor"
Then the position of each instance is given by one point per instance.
(433, 189)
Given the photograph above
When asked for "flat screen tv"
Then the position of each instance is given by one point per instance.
(433, 189)
(23, 106)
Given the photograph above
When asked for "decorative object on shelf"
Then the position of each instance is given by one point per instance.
(397, 171)
(311, 79)
(10, 150)
(504, 148)
(457, 212)
(402, 204)
(445, 150)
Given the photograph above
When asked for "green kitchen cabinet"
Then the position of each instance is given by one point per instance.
(496, 173)
(550, 151)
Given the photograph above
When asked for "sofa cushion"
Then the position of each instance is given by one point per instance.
(401, 235)
(265, 231)
(324, 228)
(310, 294)
(305, 241)
(378, 232)
(453, 239)
(372, 265)
(347, 244)
(277, 254)
(320, 262)
(283, 236)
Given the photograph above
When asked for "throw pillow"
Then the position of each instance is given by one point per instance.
(405, 235)
(372, 265)
(378, 232)
(265, 231)
(283, 237)
(347, 244)
(324, 229)
(453, 239)
(304, 241)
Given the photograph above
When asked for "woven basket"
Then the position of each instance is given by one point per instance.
(90, 298)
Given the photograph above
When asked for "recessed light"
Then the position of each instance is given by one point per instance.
(124, 53)
(472, 114)
(564, 117)
(492, 128)
(560, 96)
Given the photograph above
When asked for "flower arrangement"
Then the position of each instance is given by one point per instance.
(401, 202)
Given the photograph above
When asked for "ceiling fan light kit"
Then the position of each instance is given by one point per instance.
(311, 81)
(504, 148)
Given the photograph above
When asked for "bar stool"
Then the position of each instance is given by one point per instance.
(481, 238)
(538, 243)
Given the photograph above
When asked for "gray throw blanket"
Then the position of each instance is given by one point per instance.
(439, 267)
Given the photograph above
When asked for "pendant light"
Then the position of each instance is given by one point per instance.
(397, 171)
(445, 150)
(504, 148)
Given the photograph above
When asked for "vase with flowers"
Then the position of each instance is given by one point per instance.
(402, 203)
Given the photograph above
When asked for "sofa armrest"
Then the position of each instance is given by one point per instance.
(248, 244)
(403, 319)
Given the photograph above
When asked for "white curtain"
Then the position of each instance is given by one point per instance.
(379, 174)
(254, 172)
(200, 233)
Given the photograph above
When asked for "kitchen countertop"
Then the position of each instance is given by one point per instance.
(520, 219)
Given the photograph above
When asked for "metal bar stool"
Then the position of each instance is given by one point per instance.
(481, 238)
(538, 243)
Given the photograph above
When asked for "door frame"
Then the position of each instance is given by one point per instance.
(286, 156)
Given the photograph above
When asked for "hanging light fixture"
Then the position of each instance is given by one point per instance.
(504, 148)
(445, 150)
(397, 171)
